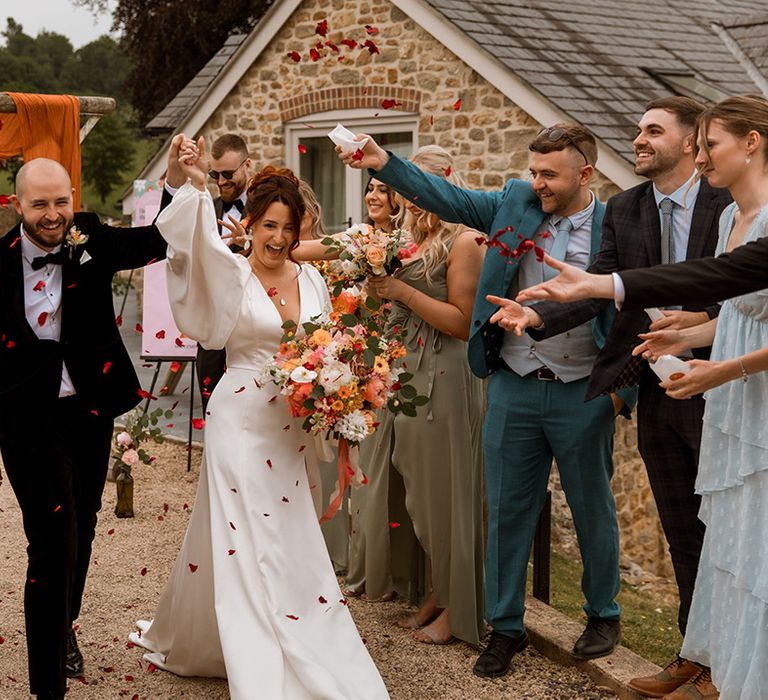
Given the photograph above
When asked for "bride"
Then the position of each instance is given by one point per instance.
(252, 596)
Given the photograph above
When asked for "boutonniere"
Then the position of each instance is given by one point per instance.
(75, 238)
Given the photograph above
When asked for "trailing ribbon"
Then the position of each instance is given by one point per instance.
(347, 472)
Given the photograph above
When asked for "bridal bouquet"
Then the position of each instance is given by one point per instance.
(338, 373)
(365, 251)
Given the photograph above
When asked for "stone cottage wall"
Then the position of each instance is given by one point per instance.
(488, 136)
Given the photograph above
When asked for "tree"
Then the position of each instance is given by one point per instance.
(106, 153)
(170, 41)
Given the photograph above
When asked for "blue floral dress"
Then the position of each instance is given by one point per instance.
(728, 623)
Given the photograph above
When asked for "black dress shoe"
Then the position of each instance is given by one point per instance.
(74, 662)
(49, 696)
(495, 659)
(599, 638)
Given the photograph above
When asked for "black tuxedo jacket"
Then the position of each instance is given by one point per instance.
(90, 344)
(743, 270)
(632, 239)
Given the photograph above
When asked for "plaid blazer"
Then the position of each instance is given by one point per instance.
(632, 239)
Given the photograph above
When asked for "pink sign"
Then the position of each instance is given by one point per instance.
(161, 339)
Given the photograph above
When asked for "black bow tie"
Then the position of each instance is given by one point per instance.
(50, 259)
(236, 203)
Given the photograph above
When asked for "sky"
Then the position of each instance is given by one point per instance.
(60, 16)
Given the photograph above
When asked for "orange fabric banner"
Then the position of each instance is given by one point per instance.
(44, 126)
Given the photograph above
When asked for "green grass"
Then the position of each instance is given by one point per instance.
(648, 627)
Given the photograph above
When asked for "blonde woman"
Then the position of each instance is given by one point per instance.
(437, 454)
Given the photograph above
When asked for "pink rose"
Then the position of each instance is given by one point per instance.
(375, 392)
(130, 457)
(124, 439)
(376, 257)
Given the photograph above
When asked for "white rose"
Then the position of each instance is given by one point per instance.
(123, 439)
(302, 375)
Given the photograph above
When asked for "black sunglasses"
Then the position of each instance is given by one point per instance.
(226, 174)
(555, 133)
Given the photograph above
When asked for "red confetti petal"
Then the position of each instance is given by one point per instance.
(285, 500)
(160, 335)
(41, 319)
(322, 600)
(185, 506)
(286, 427)
(118, 320)
(302, 448)
(111, 531)
(57, 509)
(394, 525)
(272, 399)
(269, 463)
(332, 46)
(371, 30)
(389, 104)
(294, 56)
(193, 567)
(106, 367)
(15, 242)
(358, 155)
(232, 525)
(175, 366)
(2, 640)
(144, 571)
(272, 291)
(240, 390)
(151, 668)
(457, 105)
(322, 28)
(179, 342)
(146, 395)
(314, 55)
(302, 149)
(139, 328)
(448, 171)
(128, 678)
(40, 285)
(231, 552)
(10, 344)
(206, 381)
(371, 46)
(292, 617)
(349, 43)
(198, 423)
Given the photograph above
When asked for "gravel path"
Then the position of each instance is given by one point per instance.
(118, 593)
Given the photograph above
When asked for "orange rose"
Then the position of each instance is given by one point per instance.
(297, 398)
(376, 257)
(375, 392)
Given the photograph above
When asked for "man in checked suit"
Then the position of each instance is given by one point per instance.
(536, 404)
(230, 168)
(634, 236)
(64, 376)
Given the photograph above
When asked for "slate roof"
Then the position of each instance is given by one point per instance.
(172, 114)
(595, 59)
(751, 33)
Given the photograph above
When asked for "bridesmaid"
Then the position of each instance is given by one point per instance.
(437, 454)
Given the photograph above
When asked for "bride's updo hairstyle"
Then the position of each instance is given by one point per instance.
(271, 185)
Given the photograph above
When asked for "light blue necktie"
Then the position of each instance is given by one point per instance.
(666, 206)
(560, 246)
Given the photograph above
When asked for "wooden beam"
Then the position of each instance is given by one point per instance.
(89, 106)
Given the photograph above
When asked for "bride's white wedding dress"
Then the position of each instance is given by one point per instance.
(252, 596)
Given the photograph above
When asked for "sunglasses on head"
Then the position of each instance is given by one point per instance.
(555, 133)
(226, 174)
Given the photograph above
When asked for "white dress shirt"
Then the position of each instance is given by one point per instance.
(42, 301)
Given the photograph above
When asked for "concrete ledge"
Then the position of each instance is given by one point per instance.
(553, 634)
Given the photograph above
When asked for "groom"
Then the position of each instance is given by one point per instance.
(64, 376)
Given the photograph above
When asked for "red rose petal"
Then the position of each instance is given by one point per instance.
(231, 552)
(322, 600)
(118, 320)
(302, 149)
(179, 342)
(302, 448)
(358, 155)
(106, 367)
(390, 104)
(41, 319)
(371, 30)
(146, 395)
(292, 617)
(394, 525)
(285, 500)
(448, 171)
(57, 509)
(286, 427)
(349, 43)
(240, 390)
(371, 46)
(314, 55)
(160, 335)
(111, 531)
(232, 525)
(193, 567)
(206, 381)
(139, 328)
(40, 285)
(198, 423)
(144, 571)
(332, 46)
(175, 366)
(322, 28)
(294, 56)
(272, 291)
(457, 105)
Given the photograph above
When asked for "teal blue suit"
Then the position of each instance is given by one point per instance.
(529, 421)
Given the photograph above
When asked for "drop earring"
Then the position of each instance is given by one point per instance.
(747, 160)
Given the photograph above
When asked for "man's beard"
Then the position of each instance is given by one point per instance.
(658, 164)
(43, 238)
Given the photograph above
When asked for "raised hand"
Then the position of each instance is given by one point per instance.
(373, 155)
(237, 233)
(175, 176)
(512, 316)
(571, 284)
(704, 375)
(677, 320)
(194, 161)
(658, 343)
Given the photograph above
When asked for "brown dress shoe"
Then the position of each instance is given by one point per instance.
(665, 681)
(700, 687)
